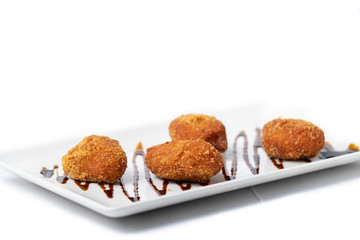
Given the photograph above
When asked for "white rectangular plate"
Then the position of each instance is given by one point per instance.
(28, 164)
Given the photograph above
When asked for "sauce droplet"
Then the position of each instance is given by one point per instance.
(184, 186)
(277, 163)
(83, 185)
(108, 191)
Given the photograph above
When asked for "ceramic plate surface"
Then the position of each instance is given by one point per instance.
(122, 199)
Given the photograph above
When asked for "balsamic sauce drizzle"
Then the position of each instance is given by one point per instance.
(149, 180)
(133, 199)
(109, 191)
(278, 163)
(138, 152)
(184, 185)
(254, 170)
(224, 172)
(83, 185)
(327, 152)
(257, 144)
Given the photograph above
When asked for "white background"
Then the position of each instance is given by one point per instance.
(74, 68)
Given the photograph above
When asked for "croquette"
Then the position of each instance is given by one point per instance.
(95, 159)
(292, 139)
(199, 126)
(184, 160)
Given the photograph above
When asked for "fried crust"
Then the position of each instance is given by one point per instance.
(199, 126)
(95, 159)
(292, 139)
(184, 160)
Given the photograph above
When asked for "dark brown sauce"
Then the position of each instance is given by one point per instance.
(234, 160)
(277, 163)
(257, 145)
(204, 184)
(83, 185)
(254, 170)
(149, 179)
(133, 199)
(184, 186)
(224, 172)
(109, 191)
(62, 179)
(138, 152)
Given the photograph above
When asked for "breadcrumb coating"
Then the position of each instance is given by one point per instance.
(292, 139)
(95, 159)
(184, 160)
(199, 126)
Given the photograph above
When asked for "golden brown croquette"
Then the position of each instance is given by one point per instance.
(199, 126)
(184, 160)
(95, 159)
(292, 139)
